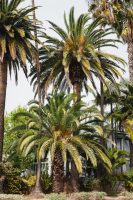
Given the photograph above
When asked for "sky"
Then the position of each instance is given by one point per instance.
(49, 10)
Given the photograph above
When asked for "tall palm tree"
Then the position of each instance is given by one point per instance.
(118, 14)
(74, 56)
(37, 188)
(16, 47)
(60, 119)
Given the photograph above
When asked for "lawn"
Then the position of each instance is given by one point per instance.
(74, 196)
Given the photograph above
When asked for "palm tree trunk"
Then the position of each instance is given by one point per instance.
(102, 109)
(3, 86)
(58, 173)
(130, 61)
(37, 57)
(77, 90)
(74, 171)
(74, 177)
(37, 188)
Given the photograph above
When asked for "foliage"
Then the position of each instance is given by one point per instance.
(127, 195)
(88, 196)
(60, 122)
(128, 179)
(118, 157)
(16, 35)
(15, 185)
(112, 183)
(11, 135)
(55, 196)
(7, 169)
(78, 196)
(92, 184)
(31, 180)
(118, 14)
(77, 55)
(123, 113)
(46, 182)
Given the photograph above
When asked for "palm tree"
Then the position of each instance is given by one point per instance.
(15, 47)
(60, 119)
(123, 113)
(118, 14)
(74, 56)
(37, 188)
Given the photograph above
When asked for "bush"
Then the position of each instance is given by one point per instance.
(31, 180)
(88, 196)
(128, 179)
(112, 184)
(15, 185)
(7, 169)
(46, 182)
(92, 184)
(127, 195)
(55, 196)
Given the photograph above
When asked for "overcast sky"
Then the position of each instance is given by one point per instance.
(49, 10)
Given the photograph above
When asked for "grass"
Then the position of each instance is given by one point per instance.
(74, 196)
(52, 196)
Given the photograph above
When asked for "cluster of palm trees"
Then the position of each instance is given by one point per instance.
(74, 60)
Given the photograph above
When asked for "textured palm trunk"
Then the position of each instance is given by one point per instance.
(130, 61)
(74, 177)
(37, 189)
(74, 171)
(58, 173)
(3, 85)
(102, 110)
(77, 90)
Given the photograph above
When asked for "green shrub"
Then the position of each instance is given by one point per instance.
(111, 184)
(92, 184)
(46, 181)
(31, 180)
(15, 185)
(128, 179)
(55, 196)
(87, 196)
(127, 195)
(7, 169)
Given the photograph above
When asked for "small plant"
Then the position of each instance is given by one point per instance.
(92, 184)
(55, 196)
(127, 195)
(46, 181)
(128, 179)
(87, 196)
(30, 181)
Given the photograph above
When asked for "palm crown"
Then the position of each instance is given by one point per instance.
(117, 13)
(16, 34)
(77, 55)
(65, 126)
